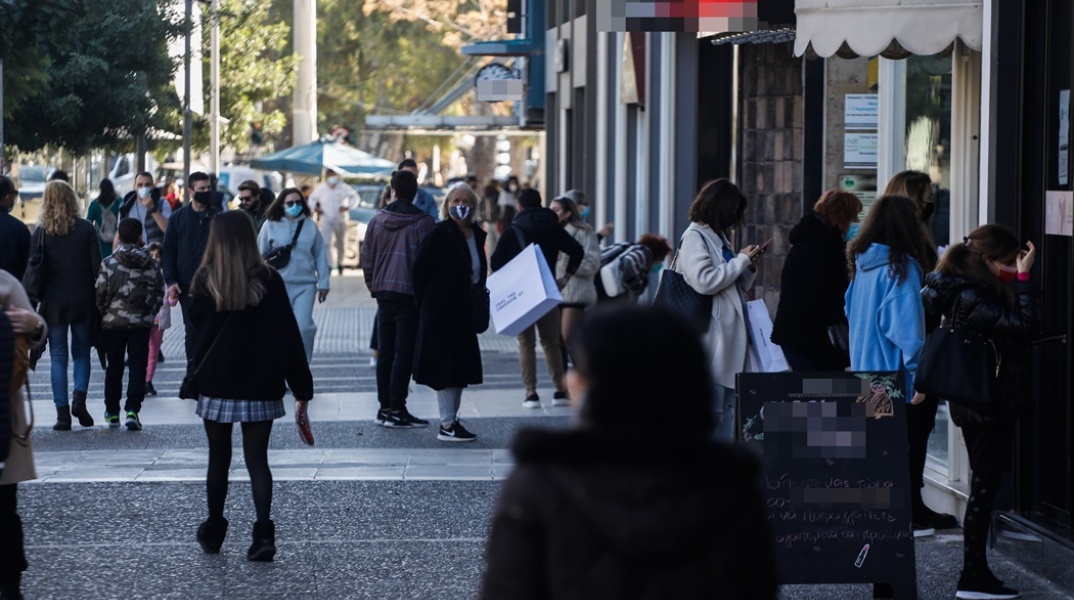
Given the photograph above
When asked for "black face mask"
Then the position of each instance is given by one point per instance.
(927, 211)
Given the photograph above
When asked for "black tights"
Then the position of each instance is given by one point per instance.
(983, 488)
(255, 441)
(12, 553)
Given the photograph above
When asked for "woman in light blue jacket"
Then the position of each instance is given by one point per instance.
(306, 273)
(883, 302)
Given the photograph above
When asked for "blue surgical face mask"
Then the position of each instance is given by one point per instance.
(853, 231)
(657, 267)
(584, 212)
(293, 211)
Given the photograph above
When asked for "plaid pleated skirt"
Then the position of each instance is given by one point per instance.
(227, 410)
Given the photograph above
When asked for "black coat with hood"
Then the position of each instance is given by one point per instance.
(539, 226)
(967, 304)
(589, 514)
(813, 284)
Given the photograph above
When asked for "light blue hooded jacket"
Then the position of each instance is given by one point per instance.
(887, 319)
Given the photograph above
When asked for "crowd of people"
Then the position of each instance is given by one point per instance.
(863, 300)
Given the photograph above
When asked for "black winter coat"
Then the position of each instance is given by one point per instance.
(447, 352)
(813, 285)
(969, 305)
(538, 226)
(588, 515)
(71, 264)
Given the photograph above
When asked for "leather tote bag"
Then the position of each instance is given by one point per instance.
(675, 294)
(959, 366)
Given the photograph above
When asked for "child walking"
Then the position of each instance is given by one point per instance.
(129, 292)
(163, 321)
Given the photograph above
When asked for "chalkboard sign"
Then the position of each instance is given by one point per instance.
(837, 475)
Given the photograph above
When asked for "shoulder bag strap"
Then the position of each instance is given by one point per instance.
(211, 346)
(675, 260)
(294, 240)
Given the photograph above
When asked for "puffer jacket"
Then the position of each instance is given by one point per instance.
(580, 288)
(129, 289)
(969, 305)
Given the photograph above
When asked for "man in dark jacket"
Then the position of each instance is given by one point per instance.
(14, 235)
(538, 225)
(392, 240)
(184, 245)
(146, 205)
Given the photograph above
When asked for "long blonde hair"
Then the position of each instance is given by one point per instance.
(59, 208)
(232, 270)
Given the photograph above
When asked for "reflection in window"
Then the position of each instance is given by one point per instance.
(928, 133)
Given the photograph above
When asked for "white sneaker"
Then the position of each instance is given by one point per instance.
(531, 401)
(560, 399)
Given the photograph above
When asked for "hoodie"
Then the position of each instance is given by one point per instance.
(591, 514)
(392, 240)
(539, 226)
(129, 289)
(887, 319)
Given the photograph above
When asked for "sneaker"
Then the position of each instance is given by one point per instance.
(983, 587)
(925, 517)
(382, 416)
(414, 420)
(133, 422)
(455, 433)
(112, 420)
(399, 421)
(149, 389)
(531, 401)
(560, 399)
(922, 531)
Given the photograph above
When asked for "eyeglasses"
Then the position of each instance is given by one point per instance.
(246, 198)
(293, 203)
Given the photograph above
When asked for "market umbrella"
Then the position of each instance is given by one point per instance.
(311, 159)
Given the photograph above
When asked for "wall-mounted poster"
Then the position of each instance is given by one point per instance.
(1059, 213)
(860, 150)
(861, 111)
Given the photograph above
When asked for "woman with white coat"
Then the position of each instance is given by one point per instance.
(711, 268)
(580, 292)
(306, 273)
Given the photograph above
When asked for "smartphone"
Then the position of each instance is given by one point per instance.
(765, 245)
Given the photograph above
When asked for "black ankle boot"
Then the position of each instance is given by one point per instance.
(63, 418)
(264, 546)
(211, 535)
(78, 409)
(10, 586)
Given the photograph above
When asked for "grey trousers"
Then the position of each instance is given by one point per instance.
(449, 400)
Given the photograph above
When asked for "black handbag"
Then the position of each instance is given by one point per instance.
(277, 258)
(33, 281)
(839, 336)
(188, 389)
(675, 294)
(959, 366)
(479, 309)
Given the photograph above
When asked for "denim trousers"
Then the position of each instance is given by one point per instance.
(58, 350)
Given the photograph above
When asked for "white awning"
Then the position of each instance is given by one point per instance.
(889, 28)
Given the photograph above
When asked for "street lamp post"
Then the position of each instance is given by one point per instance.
(214, 107)
(187, 117)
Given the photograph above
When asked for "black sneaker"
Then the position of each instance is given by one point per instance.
(133, 422)
(399, 421)
(925, 517)
(983, 587)
(149, 389)
(381, 418)
(415, 420)
(455, 433)
(532, 401)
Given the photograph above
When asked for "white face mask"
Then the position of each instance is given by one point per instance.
(145, 192)
(333, 181)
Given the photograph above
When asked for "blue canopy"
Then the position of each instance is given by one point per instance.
(311, 159)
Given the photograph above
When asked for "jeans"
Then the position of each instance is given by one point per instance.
(122, 343)
(725, 414)
(302, 298)
(548, 329)
(80, 354)
(449, 400)
(397, 329)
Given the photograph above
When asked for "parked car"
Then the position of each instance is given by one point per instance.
(368, 204)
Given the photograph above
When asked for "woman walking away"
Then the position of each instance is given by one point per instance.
(711, 268)
(247, 348)
(17, 320)
(813, 284)
(579, 293)
(103, 212)
(449, 276)
(306, 274)
(982, 286)
(72, 259)
(623, 505)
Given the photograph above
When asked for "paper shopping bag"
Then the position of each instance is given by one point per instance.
(767, 357)
(522, 292)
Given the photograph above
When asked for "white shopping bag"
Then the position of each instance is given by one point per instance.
(522, 292)
(764, 356)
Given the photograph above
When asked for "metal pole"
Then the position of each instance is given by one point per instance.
(1, 116)
(187, 118)
(214, 109)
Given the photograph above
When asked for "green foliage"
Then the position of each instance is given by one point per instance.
(29, 30)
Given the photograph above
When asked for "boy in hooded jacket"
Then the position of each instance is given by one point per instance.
(129, 293)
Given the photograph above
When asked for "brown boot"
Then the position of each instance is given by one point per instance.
(63, 418)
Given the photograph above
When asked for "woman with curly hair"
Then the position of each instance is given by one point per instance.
(71, 259)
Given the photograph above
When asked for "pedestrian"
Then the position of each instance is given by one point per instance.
(248, 353)
(161, 323)
(130, 293)
(622, 505)
(490, 194)
(145, 204)
(393, 238)
(14, 234)
(423, 200)
(71, 261)
(539, 225)
(172, 193)
(306, 274)
(917, 186)
(584, 212)
(579, 294)
(508, 196)
(331, 200)
(252, 200)
(982, 285)
(60, 175)
(813, 284)
(711, 268)
(18, 320)
(631, 264)
(449, 276)
(103, 212)
(184, 246)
